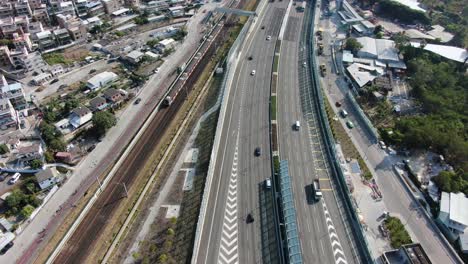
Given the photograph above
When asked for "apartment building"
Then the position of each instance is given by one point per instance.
(13, 92)
(8, 116)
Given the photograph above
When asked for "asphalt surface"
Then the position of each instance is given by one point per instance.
(303, 150)
(87, 233)
(396, 198)
(238, 183)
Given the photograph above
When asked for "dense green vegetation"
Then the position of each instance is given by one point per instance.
(21, 203)
(453, 15)
(55, 58)
(395, 10)
(3, 149)
(441, 88)
(353, 45)
(398, 234)
(102, 121)
(52, 137)
(36, 164)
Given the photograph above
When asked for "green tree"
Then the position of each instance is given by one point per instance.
(4, 149)
(36, 164)
(26, 211)
(49, 157)
(70, 105)
(57, 144)
(162, 258)
(353, 45)
(102, 121)
(15, 201)
(170, 231)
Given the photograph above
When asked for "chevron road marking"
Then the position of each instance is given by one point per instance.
(228, 253)
(338, 253)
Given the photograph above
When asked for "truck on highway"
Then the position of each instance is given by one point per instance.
(323, 70)
(317, 190)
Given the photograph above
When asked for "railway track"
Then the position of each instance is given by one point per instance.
(87, 234)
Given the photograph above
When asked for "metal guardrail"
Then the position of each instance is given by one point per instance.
(231, 60)
(329, 142)
(374, 136)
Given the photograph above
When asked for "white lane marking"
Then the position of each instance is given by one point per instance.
(229, 239)
(338, 253)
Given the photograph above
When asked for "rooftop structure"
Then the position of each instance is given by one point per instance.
(101, 80)
(450, 52)
(408, 254)
(453, 212)
(363, 74)
(382, 49)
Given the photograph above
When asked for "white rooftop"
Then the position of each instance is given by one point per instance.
(362, 74)
(120, 11)
(449, 52)
(458, 208)
(384, 49)
(455, 204)
(135, 54)
(413, 4)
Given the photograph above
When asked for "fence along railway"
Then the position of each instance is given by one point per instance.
(85, 237)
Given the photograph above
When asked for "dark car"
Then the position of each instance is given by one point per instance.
(137, 101)
(263, 27)
(258, 151)
(3, 177)
(338, 104)
(54, 81)
(250, 58)
(249, 219)
(91, 148)
(92, 71)
(6, 248)
(62, 87)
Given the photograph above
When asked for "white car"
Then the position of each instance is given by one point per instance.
(304, 64)
(268, 38)
(252, 73)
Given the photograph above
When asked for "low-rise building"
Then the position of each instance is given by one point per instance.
(134, 57)
(110, 6)
(47, 178)
(454, 214)
(45, 40)
(62, 36)
(113, 96)
(81, 7)
(92, 21)
(363, 74)
(28, 153)
(98, 103)
(41, 78)
(177, 11)
(165, 45)
(100, 80)
(80, 116)
(13, 92)
(8, 116)
(156, 6)
(41, 15)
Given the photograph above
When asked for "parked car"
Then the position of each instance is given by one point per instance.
(54, 81)
(2, 177)
(92, 71)
(350, 124)
(268, 38)
(91, 148)
(263, 27)
(250, 58)
(14, 178)
(6, 248)
(253, 72)
(137, 101)
(338, 104)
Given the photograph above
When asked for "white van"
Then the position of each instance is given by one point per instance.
(297, 125)
(317, 190)
(14, 178)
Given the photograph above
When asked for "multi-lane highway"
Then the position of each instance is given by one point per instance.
(238, 183)
(320, 224)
